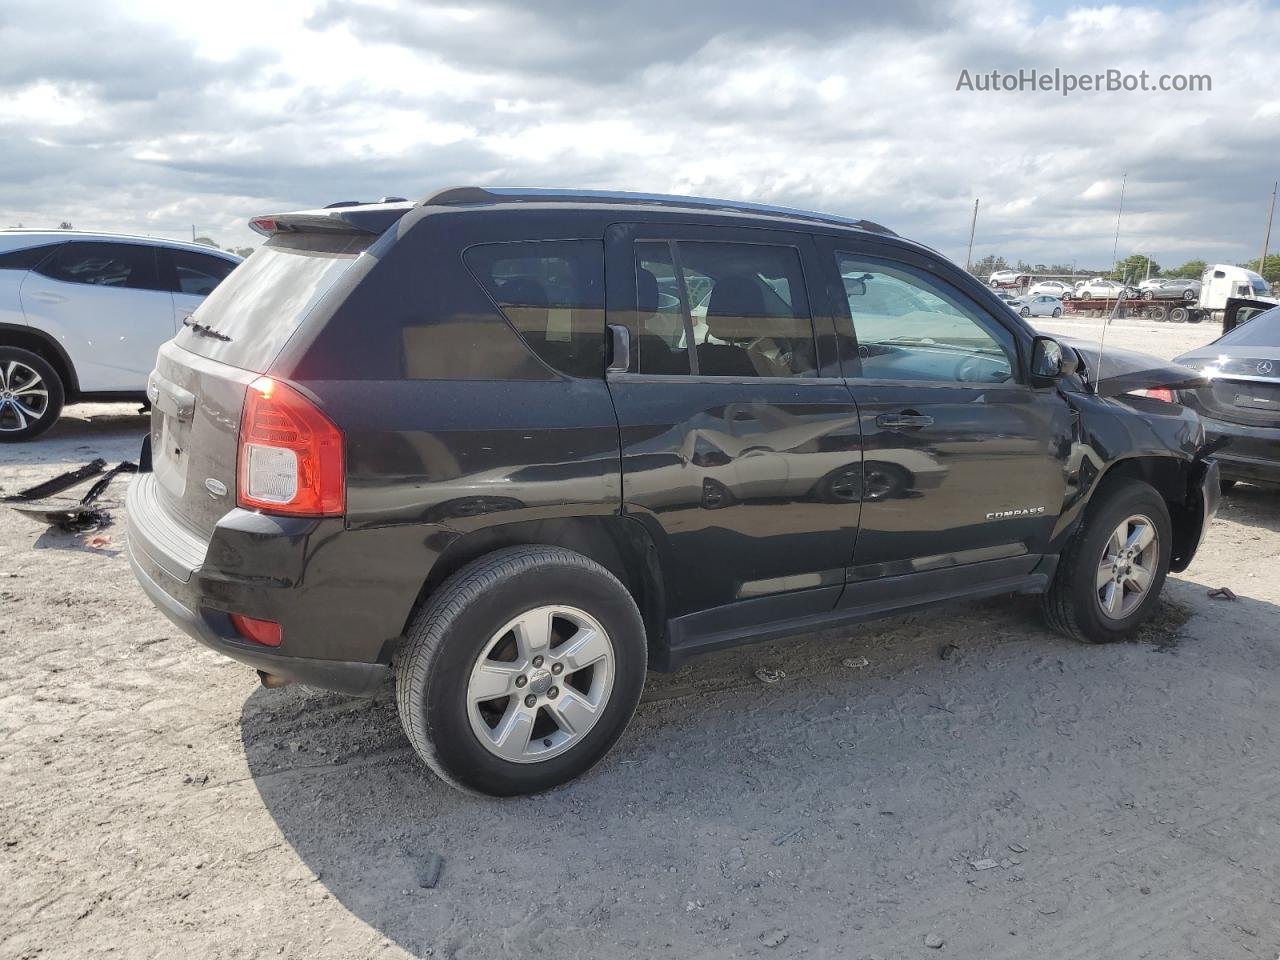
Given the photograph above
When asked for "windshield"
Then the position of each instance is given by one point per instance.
(1262, 331)
(248, 318)
(1259, 285)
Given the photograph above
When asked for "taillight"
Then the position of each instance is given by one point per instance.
(1156, 393)
(265, 632)
(264, 225)
(290, 458)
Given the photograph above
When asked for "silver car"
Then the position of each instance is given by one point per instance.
(1042, 305)
(1188, 290)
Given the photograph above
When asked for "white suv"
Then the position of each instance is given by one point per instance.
(83, 314)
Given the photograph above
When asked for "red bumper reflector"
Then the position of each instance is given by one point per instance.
(265, 632)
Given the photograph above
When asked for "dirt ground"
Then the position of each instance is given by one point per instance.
(1024, 797)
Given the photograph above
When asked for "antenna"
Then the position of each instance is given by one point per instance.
(973, 225)
(1266, 240)
(1115, 247)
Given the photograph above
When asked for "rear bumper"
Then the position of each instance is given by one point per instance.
(1251, 453)
(256, 565)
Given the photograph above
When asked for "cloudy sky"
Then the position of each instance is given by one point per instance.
(149, 117)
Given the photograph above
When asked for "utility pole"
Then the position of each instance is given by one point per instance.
(1266, 240)
(193, 233)
(968, 257)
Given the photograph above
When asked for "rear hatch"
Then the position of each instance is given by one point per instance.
(198, 387)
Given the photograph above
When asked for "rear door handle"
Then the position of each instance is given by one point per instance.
(903, 421)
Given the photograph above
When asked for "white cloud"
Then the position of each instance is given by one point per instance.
(153, 115)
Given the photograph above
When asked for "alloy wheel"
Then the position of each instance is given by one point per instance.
(540, 684)
(24, 396)
(1128, 567)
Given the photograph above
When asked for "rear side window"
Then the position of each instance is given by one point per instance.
(199, 273)
(26, 258)
(128, 266)
(261, 304)
(552, 292)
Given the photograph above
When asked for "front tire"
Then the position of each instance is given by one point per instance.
(1025, 311)
(522, 671)
(1110, 576)
(31, 395)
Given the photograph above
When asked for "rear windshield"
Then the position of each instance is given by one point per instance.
(265, 299)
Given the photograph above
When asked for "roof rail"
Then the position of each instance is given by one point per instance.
(465, 196)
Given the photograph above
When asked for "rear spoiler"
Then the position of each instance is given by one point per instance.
(371, 218)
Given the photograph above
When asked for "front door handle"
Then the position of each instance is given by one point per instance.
(903, 421)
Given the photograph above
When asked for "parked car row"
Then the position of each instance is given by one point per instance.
(1101, 288)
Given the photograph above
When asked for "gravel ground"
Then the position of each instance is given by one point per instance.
(1024, 796)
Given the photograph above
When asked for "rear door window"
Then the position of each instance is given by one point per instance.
(552, 292)
(130, 266)
(722, 310)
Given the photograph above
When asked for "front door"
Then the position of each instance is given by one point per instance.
(964, 465)
(740, 442)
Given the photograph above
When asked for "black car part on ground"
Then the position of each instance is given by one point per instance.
(36, 502)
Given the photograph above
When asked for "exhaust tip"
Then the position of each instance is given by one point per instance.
(273, 681)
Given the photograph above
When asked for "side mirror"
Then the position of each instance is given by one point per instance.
(1050, 360)
(854, 288)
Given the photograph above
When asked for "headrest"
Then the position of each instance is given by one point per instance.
(524, 292)
(736, 310)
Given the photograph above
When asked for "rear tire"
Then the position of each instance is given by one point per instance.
(512, 621)
(1057, 311)
(31, 395)
(1091, 570)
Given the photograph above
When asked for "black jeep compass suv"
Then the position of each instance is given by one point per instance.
(514, 447)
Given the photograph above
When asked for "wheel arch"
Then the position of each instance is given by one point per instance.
(43, 345)
(1172, 479)
(620, 545)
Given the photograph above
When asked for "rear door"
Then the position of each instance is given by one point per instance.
(964, 464)
(104, 302)
(740, 443)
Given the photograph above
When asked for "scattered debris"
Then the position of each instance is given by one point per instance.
(774, 938)
(770, 675)
(1144, 890)
(99, 541)
(947, 650)
(74, 516)
(428, 872)
(789, 835)
(984, 864)
(855, 663)
(1222, 593)
(1017, 848)
(933, 941)
(199, 781)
